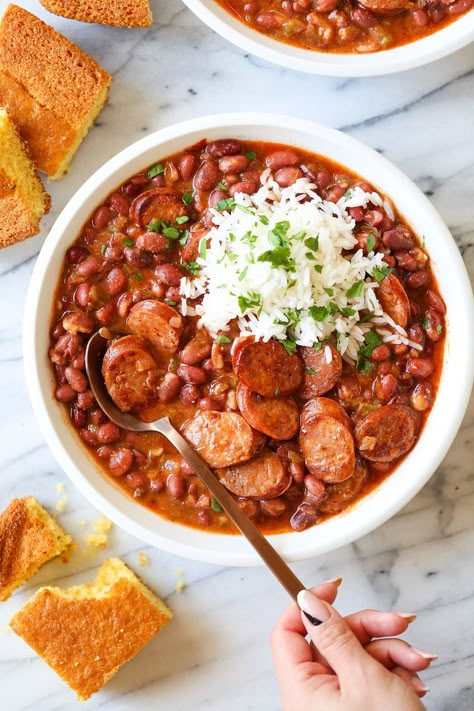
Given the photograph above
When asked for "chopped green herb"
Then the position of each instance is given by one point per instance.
(184, 238)
(264, 220)
(289, 346)
(244, 208)
(329, 291)
(243, 274)
(248, 238)
(138, 276)
(251, 155)
(155, 225)
(222, 186)
(310, 256)
(426, 322)
(192, 267)
(367, 317)
(182, 219)
(278, 257)
(252, 301)
(203, 248)
(171, 303)
(226, 204)
(310, 371)
(291, 283)
(277, 392)
(299, 235)
(379, 273)
(348, 193)
(371, 340)
(215, 505)
(172, 233)
(312, 243)
(187, 198)
(128, 242)
(103, 249)
(355, 289)
(364, 365)
(318, 268)
(319, 313)
(370, 242)
(347, 311)
(157, 169)
(317, 346)
(439, 328)
(223, 339)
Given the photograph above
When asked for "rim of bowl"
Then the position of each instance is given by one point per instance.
(415, 54)
(388, 497)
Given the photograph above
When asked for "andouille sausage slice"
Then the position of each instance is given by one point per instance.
(130, 373)
(328, 449)
(338, 496)
(159, 323)
(158, 204)
(222, 438)
(263, 477)
(276, 417)
(324, 407)
(386, 433)
(267, 369)
(394, 300)
(322, 370)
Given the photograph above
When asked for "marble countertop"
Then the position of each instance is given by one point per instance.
(215, 653)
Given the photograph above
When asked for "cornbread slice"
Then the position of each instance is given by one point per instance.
(51, 89)
(86, 633)
(29, 537)
(120, 13)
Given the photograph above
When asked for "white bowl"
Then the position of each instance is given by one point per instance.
(443, 421)
(447, 40)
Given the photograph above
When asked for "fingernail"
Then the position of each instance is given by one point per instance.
(420, 686)
(425, 655)
(315, 610)
(334, 581)
(408, 616)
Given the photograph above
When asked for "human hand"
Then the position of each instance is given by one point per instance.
(352, 671)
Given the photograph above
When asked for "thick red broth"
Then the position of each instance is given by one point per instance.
(297, 434)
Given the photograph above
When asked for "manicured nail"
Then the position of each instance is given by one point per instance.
(425, 655)
(334, 581)
(420, 686)
(315, 610)
(408, 616)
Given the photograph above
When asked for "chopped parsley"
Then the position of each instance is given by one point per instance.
(103, 249)
(319, 313)
(251, 301)
(223, 339)
(128, 242)
(439, 328)
(370, 242)
(182, 219)
(222, 186)
(317, 346)
(289, 346)
(251, 155)
(371, 341)
(243, 274)
(215, 505)
(278, 257)
(264, 220)
(379, 273)
(192, 267)
(226, 204)
(170, 302)
(138, 276)
(187, 198)
(203, 248)
(310, 371)
(356, 289)
(425, 322)
(157, 169)
(312, 243)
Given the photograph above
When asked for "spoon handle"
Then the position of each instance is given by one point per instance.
(268, 554)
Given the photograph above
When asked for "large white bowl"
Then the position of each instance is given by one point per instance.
(443, 421)
(423, 51)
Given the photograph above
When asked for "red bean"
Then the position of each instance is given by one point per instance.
(120, 203)
(233, 164)
(422, 397)
(363, 18)
(124, 304)
(113, 255)
(420, 367)
(273, 507)
(91, 266)
(190, 394)
(176, 486)
(86, 296)
(420, 17)
(304, 516)
(192, 374)
(89, 437)
(186, 165)
(169, 274)
(384, 367)
(406, 261)
(154, 242)
(157, 485)
(158, 181)
(76, 379)
(381, 352)
(169, 387)
(116, 281)
(67, 348)
(398, 239)
(108, 433)
(433, 325)
(173, 294)
(325, 6)
(281, 158)
(225, 147)
(374, 218)
(65, 393)
(120, 462)
(101, 217)
(385, 387)
(246, 187)
(415, 333)
(287, 176)
(137, 257)
(250, 176)
(456, 8)
(85, 400)
(216, 196)
(186, 469)
(296, 470)
(206, 176)
(105, 451)
(314, 486)
(357, 213)
(131, 190)
(136, 480)
(334, 193)
(77, 322)
(417, 280)
(204, 518)
(208, 403)
(97, 416)
(77, 254)
(435, 301)
(57, 331)
(171, 173)
(105, 315)
(79, 417)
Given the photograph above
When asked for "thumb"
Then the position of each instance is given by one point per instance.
(333, 637)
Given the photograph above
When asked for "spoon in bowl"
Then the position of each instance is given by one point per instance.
(95, 352)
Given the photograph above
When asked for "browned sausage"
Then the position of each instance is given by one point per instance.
(328, 449)
(324, 407)
(386, 433)
(323, 369)
(275, 417)
(159, 323)
(222, 438)
(394, 300)
(267, 369)
(130, 373)
(157, 204)
(387, 6)
(338, 496)
(263, 477)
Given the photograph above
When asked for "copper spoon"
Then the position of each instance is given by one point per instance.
(95, 351)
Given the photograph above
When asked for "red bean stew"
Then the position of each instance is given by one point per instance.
(297, 436)
(347, 26)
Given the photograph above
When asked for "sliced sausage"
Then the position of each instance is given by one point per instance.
(197, 349)
(158, 204)
(222, 438)
(159, 323)
(130, 373)
(324, 407)
(328, 449)
(263, 477)
(394, 300)
(338, 496)
(387, 6)
(322, 370)
(276, 417)
(386, 433)
(267, 369)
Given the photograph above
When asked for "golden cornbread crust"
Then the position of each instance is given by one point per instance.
(29, 537)
(48, 81)
(120, 13)
(86, 633)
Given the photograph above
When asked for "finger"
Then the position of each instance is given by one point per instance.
(373, 623)
(334, 639)
(412, 680)
(289, 647)
(398, 653)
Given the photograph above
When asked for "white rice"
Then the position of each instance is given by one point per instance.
(273, 300)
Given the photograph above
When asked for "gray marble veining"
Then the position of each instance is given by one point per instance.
(215, 653)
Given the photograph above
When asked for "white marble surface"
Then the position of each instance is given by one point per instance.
(215, 653)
